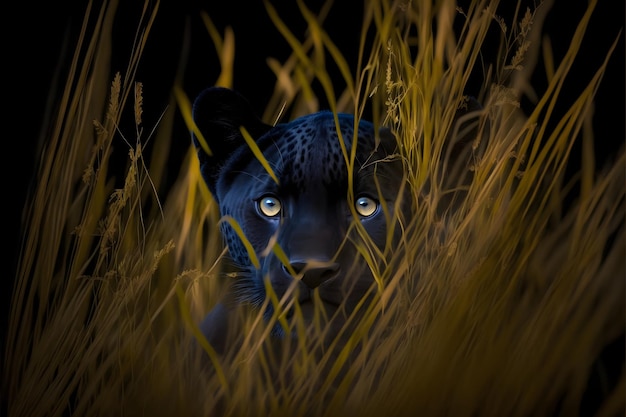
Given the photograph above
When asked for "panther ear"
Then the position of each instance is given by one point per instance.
(387, 141)
(459, 154)
(219, 113)
(465, 129)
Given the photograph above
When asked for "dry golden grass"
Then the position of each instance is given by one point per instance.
(516, 295)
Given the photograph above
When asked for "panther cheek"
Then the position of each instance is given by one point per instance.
(376, 229)
(279, 279)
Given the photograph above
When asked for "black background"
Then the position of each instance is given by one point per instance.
(34, 49)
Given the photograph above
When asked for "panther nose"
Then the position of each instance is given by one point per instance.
(315, 272)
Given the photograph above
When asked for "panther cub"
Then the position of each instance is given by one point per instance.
(315, 210)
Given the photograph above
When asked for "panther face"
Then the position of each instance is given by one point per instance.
(317, 211)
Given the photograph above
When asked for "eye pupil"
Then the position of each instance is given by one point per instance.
(365, 206)
(269, 206)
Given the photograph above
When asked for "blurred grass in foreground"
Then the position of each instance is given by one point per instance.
(517, 293)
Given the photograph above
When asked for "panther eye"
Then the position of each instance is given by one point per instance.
(365, 206)
(269, 206)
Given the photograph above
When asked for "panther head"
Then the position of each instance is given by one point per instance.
(311, 215)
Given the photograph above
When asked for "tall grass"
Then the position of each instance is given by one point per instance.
(498, 307)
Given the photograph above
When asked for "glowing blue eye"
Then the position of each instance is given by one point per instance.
(365, 206)
(269, 206)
